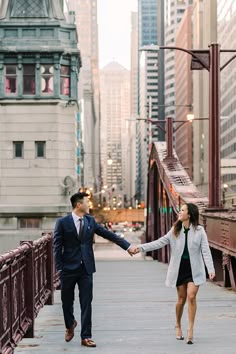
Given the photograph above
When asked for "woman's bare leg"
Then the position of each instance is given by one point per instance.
(182, 295)
(192, 306)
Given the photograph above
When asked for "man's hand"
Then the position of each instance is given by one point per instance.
(133, 250)
(212, 276)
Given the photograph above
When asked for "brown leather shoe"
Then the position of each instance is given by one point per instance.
(70, 332)
(88, 342)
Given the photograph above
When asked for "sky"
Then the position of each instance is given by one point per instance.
(114, 25)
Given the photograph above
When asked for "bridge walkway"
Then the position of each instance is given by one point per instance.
(134, 313)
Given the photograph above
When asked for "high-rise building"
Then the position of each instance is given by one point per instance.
(131, 125)
(226, 38)
(161, 64)
(174, 11)
(204, 32)
(40, 64)
(89, 93)
(148, 103)
(147, 12)
(115, 110)
(134, 65)
(183, 96)
(148, 90)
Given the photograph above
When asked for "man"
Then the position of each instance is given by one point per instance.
(74, 258)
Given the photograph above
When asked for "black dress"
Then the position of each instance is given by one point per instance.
(185, 271)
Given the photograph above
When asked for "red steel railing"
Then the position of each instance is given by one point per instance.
(27, 283)
(169, 186)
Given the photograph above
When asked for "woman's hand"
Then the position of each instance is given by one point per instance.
(137, 250)
(133, 250)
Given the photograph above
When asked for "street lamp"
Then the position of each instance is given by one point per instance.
(225, 187)
(190, 117)
(110, 162)
(210, 60)
(168, 131)
(161, 88)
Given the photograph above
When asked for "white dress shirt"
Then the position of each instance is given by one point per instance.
(76, 220)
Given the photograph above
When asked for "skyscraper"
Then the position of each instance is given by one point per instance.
(183, 96)
(131, 125)
(89, 92)
(204, 32)
(174, 11)
(226, 37)
(115, 110)
(148, 90)
(148, 103)
(147, 12)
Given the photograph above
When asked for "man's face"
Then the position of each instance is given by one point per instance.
(83, 206)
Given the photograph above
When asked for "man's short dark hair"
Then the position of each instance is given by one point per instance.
(77, 198)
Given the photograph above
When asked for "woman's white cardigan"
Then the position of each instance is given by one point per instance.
(199, 252)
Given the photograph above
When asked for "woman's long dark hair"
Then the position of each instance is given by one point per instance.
(193, 212)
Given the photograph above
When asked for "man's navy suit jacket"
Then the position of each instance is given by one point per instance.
(69, 251)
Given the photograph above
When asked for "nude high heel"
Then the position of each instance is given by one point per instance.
(190, 337)
(178, 333)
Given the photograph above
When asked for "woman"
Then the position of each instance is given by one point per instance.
(189, 251)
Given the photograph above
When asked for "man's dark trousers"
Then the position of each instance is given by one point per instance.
(69, 279)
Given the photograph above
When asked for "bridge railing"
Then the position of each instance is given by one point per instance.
(27, 283)
(169, 186)
(221, 231)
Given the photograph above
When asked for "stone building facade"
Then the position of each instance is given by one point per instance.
(39, 70)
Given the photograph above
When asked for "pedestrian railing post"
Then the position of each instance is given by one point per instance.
(50, 271)
(29, 288)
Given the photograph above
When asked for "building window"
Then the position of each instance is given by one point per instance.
(32, 223)
(65, 80)
(40, 148)
(10, 79)
(18, 147)
(47, 79)
(29, 79)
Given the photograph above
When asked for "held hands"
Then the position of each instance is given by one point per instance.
(211, 276)
(133, 250)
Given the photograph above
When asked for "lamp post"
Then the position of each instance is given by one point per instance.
(225, 187)
(109, 162)
(168, 131)
(210, 60)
